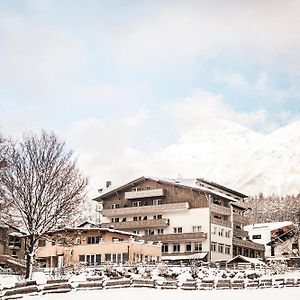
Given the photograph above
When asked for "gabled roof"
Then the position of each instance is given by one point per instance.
(100, 229)
(193, 183)
(244, 259)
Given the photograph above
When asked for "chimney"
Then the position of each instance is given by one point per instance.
(108, 184)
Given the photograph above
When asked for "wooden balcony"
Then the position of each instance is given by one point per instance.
(240, 232)
(160, 223)
(248, 244)
(221, 222)
(176, 237)
(49, 250)
(240, 204)
(219, 209)
(124, 211)
(237, 218)
(145, 194)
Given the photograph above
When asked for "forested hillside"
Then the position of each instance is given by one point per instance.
(273, 209)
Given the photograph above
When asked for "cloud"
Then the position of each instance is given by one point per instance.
(233, 79)
(204, 105)
(36, 57)
(196, 29)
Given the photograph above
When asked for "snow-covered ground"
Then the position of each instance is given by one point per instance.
(145, 294)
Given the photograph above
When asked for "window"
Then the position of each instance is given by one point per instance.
(15, 241)
(221, 232)
(90, 259)
(125, 256)
(157, 217)
(214, 247)
(115, 220)
(177, 229)
(214, 230)
(165, 248)
(160, 231)
(227, 233)
(115, 205)
(136, 203)
(41, 243)
(135, 189)
(256, 237)
(188, 247)
(176, 247)
(227, 249)
(107, 257)
(197, 228)
(220, 248)
(157, 202)
(136, 231)
(137, 218)
(149, 232)
(93, 240)
(198, 246)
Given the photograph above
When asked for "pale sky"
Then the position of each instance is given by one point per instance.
(120, 80)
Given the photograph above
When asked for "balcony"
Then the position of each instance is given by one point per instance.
(240, 204)
(48, 251)
(145, 194)
(219, 209)
(248, 244)
(237, 218)
(175, 237)
(221, 222)
(124, 211)
(240, 232)
(160, 223)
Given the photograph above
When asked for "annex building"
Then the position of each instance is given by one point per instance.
(192, 218)
(91, 245)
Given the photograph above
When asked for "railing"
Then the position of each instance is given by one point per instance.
(219, 209)
(115, 212)
(49, 250)
(248, 244)
(240, 232)
(173, 237)
(15, 261)
(138, 224)
(221, 222)
(241, 204)
(238, 218)
(145, 194)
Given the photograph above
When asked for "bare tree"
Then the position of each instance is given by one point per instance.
(41, 184)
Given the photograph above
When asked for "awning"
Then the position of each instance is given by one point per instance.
(194, 256)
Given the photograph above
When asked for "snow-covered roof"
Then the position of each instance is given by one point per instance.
(183, 257)
(95, 228)
(245, 259)
(268, 226)
(194, 183)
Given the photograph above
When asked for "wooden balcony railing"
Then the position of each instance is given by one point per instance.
(247, 244)
(240, 232)
(115, 212)
(175, 237)
(240, 204)
(145, 194)
(219, 209)
(221, 222)
(237, 218)
(160, 223)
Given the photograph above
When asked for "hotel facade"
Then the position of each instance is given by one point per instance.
(192, 218)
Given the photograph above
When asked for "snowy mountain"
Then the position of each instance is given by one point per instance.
(233, 155)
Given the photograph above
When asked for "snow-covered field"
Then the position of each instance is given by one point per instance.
(145, 294)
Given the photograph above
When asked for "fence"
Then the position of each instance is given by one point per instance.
(63, 286)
